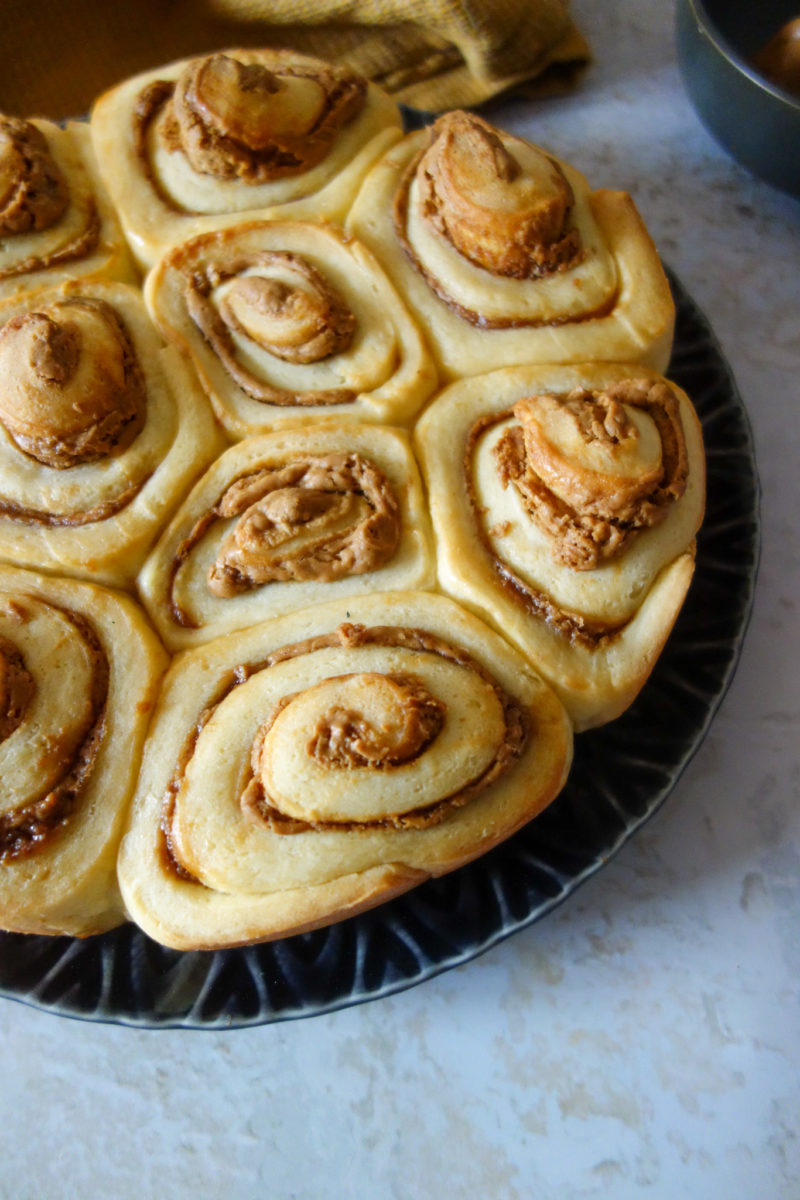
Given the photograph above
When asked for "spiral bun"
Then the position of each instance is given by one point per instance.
(56, 220)
(288, 321)
(368, 745)
(565, 503)
(207, 142)
(101, 430)
(506, 255)
(79, 671)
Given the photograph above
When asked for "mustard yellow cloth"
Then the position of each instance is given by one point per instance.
(57, 55)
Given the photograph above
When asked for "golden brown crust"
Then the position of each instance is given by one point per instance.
(290, 320)
(102, 429)
(79, 672)
(55, 218)
(591, 603)
(205, 143)
(362, 756)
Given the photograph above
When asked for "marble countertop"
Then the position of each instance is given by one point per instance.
(642, 1040)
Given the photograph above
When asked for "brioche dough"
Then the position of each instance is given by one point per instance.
(376, 673)
(79, 672)
(204, 142)
(572, 562)
(286, 520)
(311, 767)
(56, 221)
(287, 320)
(102, 429)
(505, 256)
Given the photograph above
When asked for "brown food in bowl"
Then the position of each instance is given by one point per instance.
(779, 59)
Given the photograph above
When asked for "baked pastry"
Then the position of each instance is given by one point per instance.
(216, 139)
(102, 430)
(313, 766)
(288, 320)
(79, 672)
(565, 503)
(56, 221)
(505, 256)
(285, 520)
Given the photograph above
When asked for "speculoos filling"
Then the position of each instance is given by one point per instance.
(464, 159)
(318, 517)
(424, 721)
(27, 827)
(300, 321)
(252, 122)
(580, 537)
(34, 197)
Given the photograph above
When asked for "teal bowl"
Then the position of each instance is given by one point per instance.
(754, 120)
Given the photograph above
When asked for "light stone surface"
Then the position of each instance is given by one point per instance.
(642, 1041)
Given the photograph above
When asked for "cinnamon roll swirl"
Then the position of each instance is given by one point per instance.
(207, 141)
(287, 320)
(79, 672)
(565, 504)
(56, 221)
(102, 429)
(314, 766)
(506, 256)
(282, 521)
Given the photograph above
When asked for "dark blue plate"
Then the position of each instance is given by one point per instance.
(621, 775)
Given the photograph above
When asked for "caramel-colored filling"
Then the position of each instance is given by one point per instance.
(590, 472)
(344, 740)
(582, 538)
(33, 191)
(34, 197)
(30, 825)
(72, 389)
(502, 204)
(322, 517)
(17, 687)
(252, 119)
(77, 517)
(284, 306)
(403, 720)
(511, 220)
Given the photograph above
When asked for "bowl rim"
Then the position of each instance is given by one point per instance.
(728, 50)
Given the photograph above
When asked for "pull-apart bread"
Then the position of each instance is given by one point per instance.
(505, 256)
(285, 520)
(290, 320)
(102, 430)
(305, 769)
(79, 674)
(56, 220)
(372, 436)
(565, 503)
(233, 135)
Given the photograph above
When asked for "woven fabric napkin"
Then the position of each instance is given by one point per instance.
(433, 54)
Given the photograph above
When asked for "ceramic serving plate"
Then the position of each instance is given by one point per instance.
(622, 774)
